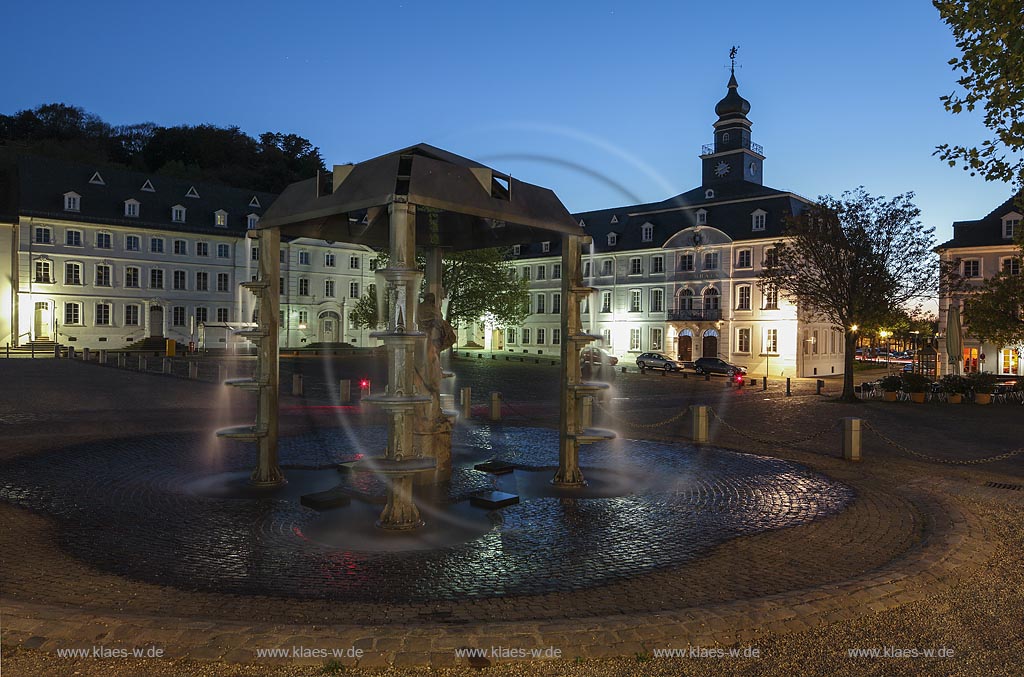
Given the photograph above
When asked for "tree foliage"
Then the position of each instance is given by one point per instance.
(364, 313)
(990, 37)
(224, 155)
(857, 260)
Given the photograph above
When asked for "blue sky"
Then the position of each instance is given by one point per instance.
(605, 102)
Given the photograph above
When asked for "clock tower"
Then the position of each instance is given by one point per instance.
(733, 157)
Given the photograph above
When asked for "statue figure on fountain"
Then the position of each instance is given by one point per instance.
(440, 337)
(433, 428)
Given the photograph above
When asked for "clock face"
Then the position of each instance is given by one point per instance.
(722, 168)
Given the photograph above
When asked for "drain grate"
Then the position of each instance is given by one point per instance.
(1003, 485)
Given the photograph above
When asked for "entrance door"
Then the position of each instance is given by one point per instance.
(710, 347)
(156, 322)
(41, 321)
(330, 324)
(684, 348)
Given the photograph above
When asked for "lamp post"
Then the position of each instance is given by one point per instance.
(883, 334)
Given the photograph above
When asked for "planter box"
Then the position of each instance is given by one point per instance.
(917, 397)
(889, 396)
(955, 398)
(983, 398)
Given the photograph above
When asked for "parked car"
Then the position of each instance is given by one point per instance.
(716, 365)
(658, 361)
(598, 356)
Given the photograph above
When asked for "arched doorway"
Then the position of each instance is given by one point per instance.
(684, 346)
(156, 322)
(710, 344)
(330, 326)
(41, 321)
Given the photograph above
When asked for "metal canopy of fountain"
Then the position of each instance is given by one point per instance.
(423, 196)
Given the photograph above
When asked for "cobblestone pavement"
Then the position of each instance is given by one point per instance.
(918, 542)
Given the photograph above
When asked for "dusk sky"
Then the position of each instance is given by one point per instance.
(608, 103)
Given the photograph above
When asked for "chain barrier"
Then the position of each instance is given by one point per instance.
(935, 459)
(765, 440)
(630, 424)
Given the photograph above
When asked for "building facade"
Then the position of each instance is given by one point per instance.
(979, 249)
(680, 276)
(103, 258)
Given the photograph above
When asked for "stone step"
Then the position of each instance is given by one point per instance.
(589, 435)
(242, 432)
(245, 383)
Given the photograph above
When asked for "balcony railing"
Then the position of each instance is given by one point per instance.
(709, 148)
(695, 314)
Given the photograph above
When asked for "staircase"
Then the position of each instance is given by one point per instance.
(40, 347)
(155, 344)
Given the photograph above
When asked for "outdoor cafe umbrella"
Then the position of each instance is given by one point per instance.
(954, 339)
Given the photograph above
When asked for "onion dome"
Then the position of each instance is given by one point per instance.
(733, 105)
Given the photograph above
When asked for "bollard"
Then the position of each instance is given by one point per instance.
(700, 423)
(193, 371)
(587, 412)
(167, 365)
(447, 402)
(819, 384)
(56, 351)
(122, 359)
(495, 406)
(623, 370)
(103, 357)
(788, 391)
(296, 384)
(467, 403)
(85, 354)
(142, 364)
(764, 383)
(345, 391)
(71, 353)
(851, 439)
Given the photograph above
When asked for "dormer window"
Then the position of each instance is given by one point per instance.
(709, 194)
(1011, 225)
(582, 224)
(178, 214)
(702, 216)
(192, 192)
(545, 247)
(647, 232)
(758, 219)
(613, 239)
(147, 187)
(220, 218)
(72, 201)
(254, 202)
(97, 180)
(131, 208)
(251, 220)
(516, 249)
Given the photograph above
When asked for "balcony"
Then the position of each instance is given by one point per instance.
(695, 314)
(709, 148)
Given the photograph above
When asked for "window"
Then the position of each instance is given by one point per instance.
(1008, 362)
(771, 257)
(541, 272)
(131, 315)
(539, 306)
(131, 208)
(131, 243)
(711, 299)
(222, 314)
(771, 341)
(744, 258)
(634, 338)
(526, 273)
(709, 194)
(511, 335)
(103, 275)
(353, 290)
(223, 251)
(743, 297)
(556, 271)
(972, 268)
(814, 342)
(280, 286)
(526, 336)
(178, 316)
(541, 336)
(102, 314)
(758, 219)
(658, 264)
(586, 269)
(686, 263)
(634, 266)
(42, 235)
(201, 316)
(545, 247)
(686, 299)
(72, 202)
(613, 238)
(192, 192)
(72, 273)
(606, 267)
(556, 337)
(556, 303)
(702, 216)
(710, 260)
(72, 313)
(73, 238)
(250, 223)
(282, 255)
(646, 232)
(606, 302)
(743, 340)
(156, 245)
(329, 288)
(353, 262)
(329, 260)
(1011, 266)
(303, 258)
(1011, 226)
(178, 279)
(515, 252)
(103, 241)
(634, 300)
(254, 253)
(223, 282)
(178, 214)
(43, 271)
(220, 218)
(657, 300)
(606, 337)
(771, 298)
(156, 279)
(131, 277)
(303, 286)
(656, 335)
(202, 281)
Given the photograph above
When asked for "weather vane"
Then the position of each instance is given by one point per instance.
(732, 57)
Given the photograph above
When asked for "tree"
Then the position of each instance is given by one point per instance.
(364, 314)
(990, 37)
(854, 261)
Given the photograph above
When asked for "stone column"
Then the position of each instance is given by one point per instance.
(268, 472)
(573, 340)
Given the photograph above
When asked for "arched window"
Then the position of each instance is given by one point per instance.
(711, 299)
(685, 299)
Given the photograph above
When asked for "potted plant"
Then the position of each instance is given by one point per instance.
(890, 385)
(983, 383)
(917, 385)
(954, 386)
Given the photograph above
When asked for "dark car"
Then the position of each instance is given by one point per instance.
(598, 356)
(716, 365)
(658, 361)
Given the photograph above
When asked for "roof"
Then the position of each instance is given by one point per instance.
(42, 183)
(8, 188)
(983, 232)
(467, 204)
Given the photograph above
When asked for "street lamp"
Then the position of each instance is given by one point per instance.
(883, 334)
